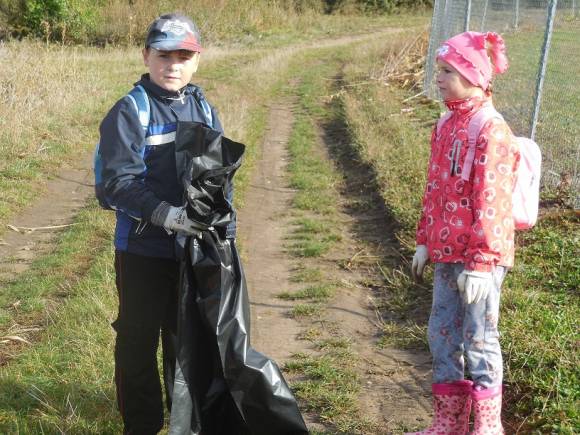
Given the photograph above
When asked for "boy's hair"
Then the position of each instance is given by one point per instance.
(173, 32)
(476, 56)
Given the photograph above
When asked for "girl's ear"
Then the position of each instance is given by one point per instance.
(195, 60)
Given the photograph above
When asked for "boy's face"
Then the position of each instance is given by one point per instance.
(170, 70)
(452, 85)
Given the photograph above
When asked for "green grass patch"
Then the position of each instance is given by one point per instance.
(330, 388)
(540, 326)
(306, 310)
(63, 383)
(409, 335)
(51, 276)
(307, 274)
(319, 292)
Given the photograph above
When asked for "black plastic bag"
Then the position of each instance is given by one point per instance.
(222, 385)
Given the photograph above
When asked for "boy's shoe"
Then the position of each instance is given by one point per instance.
(451, 408)
(487, 411)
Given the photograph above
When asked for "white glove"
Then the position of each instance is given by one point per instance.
(474, 286)
(175, 219)
(420, 259)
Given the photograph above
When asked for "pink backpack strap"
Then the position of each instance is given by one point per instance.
(443, 120)
(476, 123)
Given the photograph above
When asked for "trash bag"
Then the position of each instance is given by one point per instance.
(222, 385)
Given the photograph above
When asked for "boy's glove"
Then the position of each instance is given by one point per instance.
(474, 286)
(175, 219)
(420, 259)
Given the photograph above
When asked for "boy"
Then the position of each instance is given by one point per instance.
(139, 181)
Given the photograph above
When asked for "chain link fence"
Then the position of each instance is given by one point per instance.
(539, 95)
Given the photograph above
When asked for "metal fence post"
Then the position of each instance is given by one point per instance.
(543, 63)
(467, 15)
(516, 13)
(484, 16)
(446, 19)
(430, 64)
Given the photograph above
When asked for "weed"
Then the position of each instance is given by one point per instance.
(306, 310)
(320, 292)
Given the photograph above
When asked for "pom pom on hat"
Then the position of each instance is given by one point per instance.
(476, 56)
(497, 52)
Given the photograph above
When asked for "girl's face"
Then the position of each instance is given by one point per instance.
(170, 70)
(452, 85)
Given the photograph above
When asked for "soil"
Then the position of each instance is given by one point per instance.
(33, 231)
(396, 382)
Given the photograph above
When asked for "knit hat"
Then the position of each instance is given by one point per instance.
(173, 32)
(476, 56)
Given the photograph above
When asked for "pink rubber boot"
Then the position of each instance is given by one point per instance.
(451, 408)
(487, 411)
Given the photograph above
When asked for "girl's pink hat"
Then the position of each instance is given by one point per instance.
(476, 56)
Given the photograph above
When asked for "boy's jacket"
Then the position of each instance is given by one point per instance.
(139, 169)
(470, 221)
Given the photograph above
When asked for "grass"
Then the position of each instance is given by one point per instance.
(558, 126)
(540, 319)
(63, 382)
(317, 292)
(540, 306)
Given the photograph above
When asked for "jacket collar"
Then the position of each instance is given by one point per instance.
(164, 94)
(468, 105)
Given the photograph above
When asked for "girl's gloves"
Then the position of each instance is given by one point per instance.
(474, 286)
(420, 259)
(175, 219)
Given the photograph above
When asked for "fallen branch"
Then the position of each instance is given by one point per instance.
(10, 338)
(26, 230)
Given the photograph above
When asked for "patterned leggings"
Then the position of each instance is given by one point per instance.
(460, 332)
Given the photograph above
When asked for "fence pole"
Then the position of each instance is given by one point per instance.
(467, 15)
(433, 32)
(447, 32)
(543, 64)
(516, 13)
(484, 16)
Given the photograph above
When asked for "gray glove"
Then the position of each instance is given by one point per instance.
(175, 219)
(474, 286)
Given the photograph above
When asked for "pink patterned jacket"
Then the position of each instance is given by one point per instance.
(470, 222)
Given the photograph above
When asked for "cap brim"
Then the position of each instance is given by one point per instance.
(171, 45)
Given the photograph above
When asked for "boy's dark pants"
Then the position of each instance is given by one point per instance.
(147, 290)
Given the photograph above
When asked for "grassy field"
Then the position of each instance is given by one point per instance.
(63, 384)
(68, 312)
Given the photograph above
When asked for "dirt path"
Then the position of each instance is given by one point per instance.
(263, 223)
(394, 387)
(38, 225)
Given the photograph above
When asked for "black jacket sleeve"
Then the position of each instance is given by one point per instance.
(121, 147)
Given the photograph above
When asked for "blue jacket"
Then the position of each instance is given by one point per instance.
(139, 169)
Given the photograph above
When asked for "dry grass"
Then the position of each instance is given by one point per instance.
(217, 19)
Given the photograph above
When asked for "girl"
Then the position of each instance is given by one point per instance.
(466, 229)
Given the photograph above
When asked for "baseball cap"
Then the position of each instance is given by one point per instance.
(173, 32)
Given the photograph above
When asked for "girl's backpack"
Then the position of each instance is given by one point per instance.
(526, 193)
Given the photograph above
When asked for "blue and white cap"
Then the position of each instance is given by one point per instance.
(173, 32)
